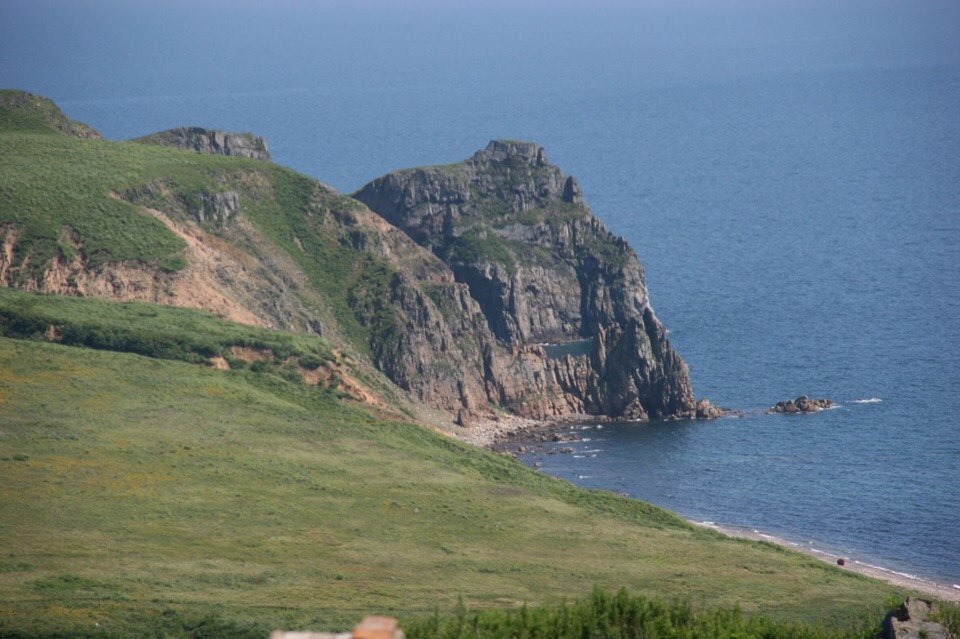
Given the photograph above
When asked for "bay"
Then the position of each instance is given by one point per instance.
(789, 175)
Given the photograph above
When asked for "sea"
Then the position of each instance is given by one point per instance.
(788, 172)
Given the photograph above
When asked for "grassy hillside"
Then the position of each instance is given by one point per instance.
(157, 497)
(59, 192)
(147, 329)
(22, 111)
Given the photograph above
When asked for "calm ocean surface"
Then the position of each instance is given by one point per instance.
(790, 178)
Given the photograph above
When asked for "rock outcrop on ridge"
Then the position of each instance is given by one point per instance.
(244, 145)
(533, 266)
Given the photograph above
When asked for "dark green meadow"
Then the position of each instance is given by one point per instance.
(163, 332)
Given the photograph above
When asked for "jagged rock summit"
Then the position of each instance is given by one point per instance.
(563, 300)
(244, 145)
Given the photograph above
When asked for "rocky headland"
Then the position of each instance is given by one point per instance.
(485, 289)
(530, 265)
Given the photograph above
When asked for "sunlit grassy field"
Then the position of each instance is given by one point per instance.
(145, 493)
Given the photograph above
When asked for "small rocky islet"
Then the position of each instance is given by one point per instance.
(801, 404)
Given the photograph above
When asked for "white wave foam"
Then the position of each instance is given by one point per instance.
(872, 400)
(905, 574)
(892, 572)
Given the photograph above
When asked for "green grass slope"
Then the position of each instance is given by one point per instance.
(57, 191)
(24, 111)
(147, 329)
(153, 497)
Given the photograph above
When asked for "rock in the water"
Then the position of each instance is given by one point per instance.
(802, 404)
(706, 410)
(245, 145)
(911, 621)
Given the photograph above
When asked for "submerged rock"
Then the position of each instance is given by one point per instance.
(706, 410)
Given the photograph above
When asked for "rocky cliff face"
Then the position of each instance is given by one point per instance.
(244, 145)
(537, 267)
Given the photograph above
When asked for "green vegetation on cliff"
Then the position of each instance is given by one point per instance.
(67, 196)
(146, 329)
(53, 186)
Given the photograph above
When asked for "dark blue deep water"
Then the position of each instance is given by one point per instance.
(789, 175)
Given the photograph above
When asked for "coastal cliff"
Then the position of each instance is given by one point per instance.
(540, 268)
(478, 287)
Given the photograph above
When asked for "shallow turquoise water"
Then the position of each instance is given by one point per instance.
(790, 177)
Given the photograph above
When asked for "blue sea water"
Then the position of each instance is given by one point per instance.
(788, 172)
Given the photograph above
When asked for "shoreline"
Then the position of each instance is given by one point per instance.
(504, 431)
(939, 590)
(511, 435)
